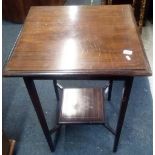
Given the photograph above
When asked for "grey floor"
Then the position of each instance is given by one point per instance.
(20, 121)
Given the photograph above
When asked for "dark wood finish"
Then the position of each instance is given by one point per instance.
(17, 10)
(82, 105)
(55, 129)
(123, 108)
(56, 89)
(79, 42)
(149, 11)
(78, 39)
(110, 89)
(37, 105)
(119, 1)
(110, 129)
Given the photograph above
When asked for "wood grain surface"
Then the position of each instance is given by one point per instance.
(79, 39)
(84, 105)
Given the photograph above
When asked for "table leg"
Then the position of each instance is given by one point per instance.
(56, 89)
(124, 104)
(37, 106)
(110, 89)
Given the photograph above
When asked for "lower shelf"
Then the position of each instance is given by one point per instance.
(82, 105)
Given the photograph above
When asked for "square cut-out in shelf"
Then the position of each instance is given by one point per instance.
(82, 105)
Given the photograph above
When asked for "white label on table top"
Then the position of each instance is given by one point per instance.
(128, 52)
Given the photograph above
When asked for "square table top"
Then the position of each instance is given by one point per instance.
(78, 40)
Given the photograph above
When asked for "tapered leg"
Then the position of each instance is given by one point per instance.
(110, 89)
(36, 103)
(56, 89)
(124, 104)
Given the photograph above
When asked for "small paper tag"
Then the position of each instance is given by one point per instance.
(128, 52)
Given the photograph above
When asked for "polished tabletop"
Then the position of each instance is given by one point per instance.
(74, 40)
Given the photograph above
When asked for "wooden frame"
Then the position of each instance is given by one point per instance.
(47, 132)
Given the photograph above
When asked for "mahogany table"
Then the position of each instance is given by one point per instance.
(79, 42)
